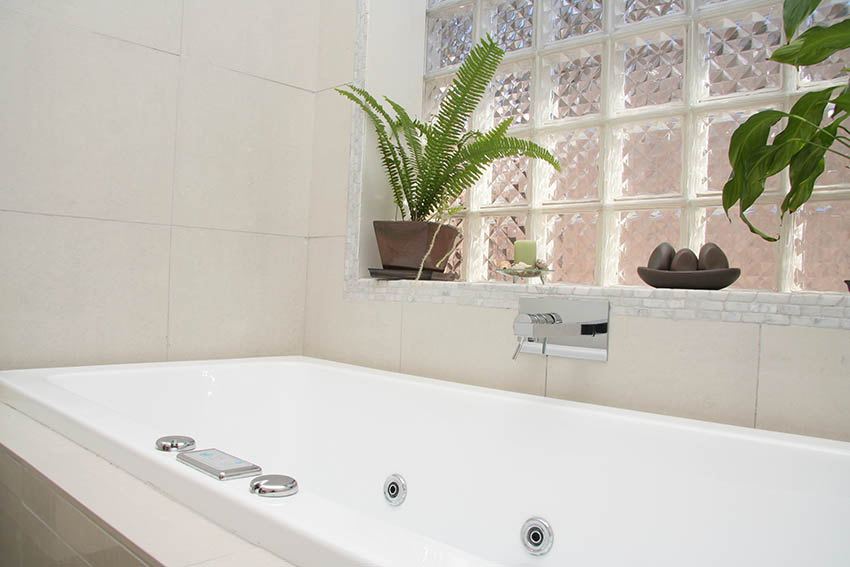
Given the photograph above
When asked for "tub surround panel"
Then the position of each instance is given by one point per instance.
(87, 123)
(696, 369)
(244, 152)
(78, 291)
(804, 382)
(471, 345)
(367, 333)
(153, 23)
(273, 39)
(331, 148)
(221, 283)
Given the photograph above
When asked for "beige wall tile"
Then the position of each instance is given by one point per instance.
(235, 294)
(473, 345)
(358, 332)
(697, 369)
(244, 152)
(78, 291)
(87, 123)
(331, 148)
(337, 23)
(154, 23)
(275, 39)
(804, 381)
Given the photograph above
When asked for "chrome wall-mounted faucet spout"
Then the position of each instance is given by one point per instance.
(562, 327)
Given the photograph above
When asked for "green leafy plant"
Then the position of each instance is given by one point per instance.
(810, 131)
(430, 164)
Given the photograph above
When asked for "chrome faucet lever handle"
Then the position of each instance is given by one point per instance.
(518, 348)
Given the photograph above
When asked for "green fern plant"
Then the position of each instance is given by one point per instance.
(430, 164)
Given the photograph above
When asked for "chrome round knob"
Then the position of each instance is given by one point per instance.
(273, 485)
(177, 443)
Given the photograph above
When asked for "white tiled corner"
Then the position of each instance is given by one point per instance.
(152, 23)
(337, 23)
(357, 332)
(87, 123)
(473, 345)
(697, 369)
(804, 381)
(235, 294)
(274, 39)
(331, 148)
(77, 291)
(244, 152)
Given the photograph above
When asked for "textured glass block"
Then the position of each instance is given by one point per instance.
(571, 18)
(716, 130)
(827, 14)
(736, 51)
(639, 233)
(433, 94)
(652, 158)
(577, 151)
(509, 181)
(511, 94)
(449, 36)
(639, 10)
(822, 253)
(837, 170)
(756, 257)
(510, 23)
(502, 232)
(574, 82)
(653, 67)
(455, 263)
(570, 250)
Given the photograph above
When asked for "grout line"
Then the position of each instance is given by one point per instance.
(182, 20)
(260, 77)
(306, 295)
(175, 160)
(758, 375)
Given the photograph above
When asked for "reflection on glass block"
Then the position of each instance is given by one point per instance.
(502, 232)
(827, 14)
(511, 23)
(821, 236)
(432, 96)
(652, 158)
(455, 263)
(756, 257)
(577, 151)
(572, 18)
(837, 171)
(575, 82)
(640, 232)
(511, 94)
(509, 181)
(570, 250)
(653, 66)
(638, 10)
(449, 36)
(716, 130)
(737, 50)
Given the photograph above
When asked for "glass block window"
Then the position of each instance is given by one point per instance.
(638, 106)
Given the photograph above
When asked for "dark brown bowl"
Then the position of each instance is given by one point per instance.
(848, 284)
(697, 279)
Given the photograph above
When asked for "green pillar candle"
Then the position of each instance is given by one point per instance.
(525, 251)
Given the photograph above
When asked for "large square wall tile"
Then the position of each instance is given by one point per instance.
(86, 123)
(235, 294)
(337, 31)
(697, 369)
(77, 291)
(331, 164)
(804, 381)
(244, 152)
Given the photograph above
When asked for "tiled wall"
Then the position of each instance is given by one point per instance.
(784, 378)
(155, 171)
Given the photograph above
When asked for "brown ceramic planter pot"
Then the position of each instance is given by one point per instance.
(403, 244)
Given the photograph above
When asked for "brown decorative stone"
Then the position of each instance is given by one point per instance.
(661, 257)
(684, 261)
(711, 257)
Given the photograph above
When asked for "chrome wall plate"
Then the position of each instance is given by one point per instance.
(219, 464)
(562, 326)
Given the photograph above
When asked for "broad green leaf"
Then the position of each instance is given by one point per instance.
(793, 14)
(814, 45)
(752, 134)
(842, 101)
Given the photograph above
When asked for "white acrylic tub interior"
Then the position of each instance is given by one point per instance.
(618, 487)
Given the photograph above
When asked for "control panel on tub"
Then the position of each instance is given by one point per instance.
(560, 326)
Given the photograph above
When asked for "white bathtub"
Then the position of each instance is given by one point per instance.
(617, 487)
